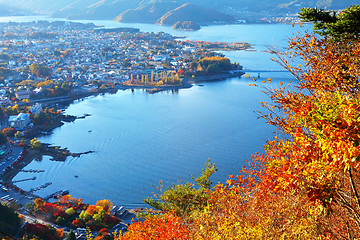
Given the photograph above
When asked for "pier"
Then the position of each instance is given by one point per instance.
(38, 188)
(32, 171)
(23, 180)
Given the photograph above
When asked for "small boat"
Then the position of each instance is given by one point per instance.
(76, 176)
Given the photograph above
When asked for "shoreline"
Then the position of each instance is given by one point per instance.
(7, 179)
(236, 22)
(186, 82)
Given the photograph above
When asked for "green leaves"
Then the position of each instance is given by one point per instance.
(338, 25)
(184, 199)
(204, 179)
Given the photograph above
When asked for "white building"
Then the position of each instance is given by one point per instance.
(20, 121)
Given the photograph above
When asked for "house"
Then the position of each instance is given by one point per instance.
(21, 95)
(20, 122)
(35, 110)
(159, 58)
(2, 92)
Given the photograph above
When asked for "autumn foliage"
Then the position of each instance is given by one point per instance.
(40, 231)
(163, 227)
(306, 184)
(72, 212)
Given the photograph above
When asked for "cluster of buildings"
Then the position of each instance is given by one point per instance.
(23, 120)
(82, 55)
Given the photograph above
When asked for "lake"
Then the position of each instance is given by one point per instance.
(141, 138)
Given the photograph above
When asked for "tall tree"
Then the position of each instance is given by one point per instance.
(9, 221)
(184, 199)
(339, 25)
(71, 236)
(3, 138)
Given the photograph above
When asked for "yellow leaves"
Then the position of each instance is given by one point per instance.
(228, 182)
(285, 194)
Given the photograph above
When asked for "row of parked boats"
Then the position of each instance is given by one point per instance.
(38, 188)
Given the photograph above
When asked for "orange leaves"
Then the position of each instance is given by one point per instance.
(91, 210)
(39, 203)
(163, 227)
(306, 184)
(105, 204)
(320, 126)
(253, 212)
(321, 117)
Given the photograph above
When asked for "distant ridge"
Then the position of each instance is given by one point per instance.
(6, 10)
(3, 10)
(95, 9)
(150, 11)
(196, 14)
(147, 13)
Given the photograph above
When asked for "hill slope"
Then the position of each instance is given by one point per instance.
(95, 9)
(194, 13)
(147, 13)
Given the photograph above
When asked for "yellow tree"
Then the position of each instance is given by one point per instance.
(146, 80)
(152, 77)
(318, 153)
(105, 204)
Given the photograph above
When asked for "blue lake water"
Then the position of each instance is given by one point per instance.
(140, 138)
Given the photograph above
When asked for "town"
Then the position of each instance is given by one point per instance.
(42, 63)
(43, 59)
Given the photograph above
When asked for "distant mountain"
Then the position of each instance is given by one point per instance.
(6, 10)
(38, 6)
(147, 13)
(95, 9)
(133, 10)
(111, 9)
(196, 14)
(76, 9)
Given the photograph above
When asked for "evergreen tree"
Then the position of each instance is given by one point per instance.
(3, 138)
(71, 236)
(9, 221)
(338, 25)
